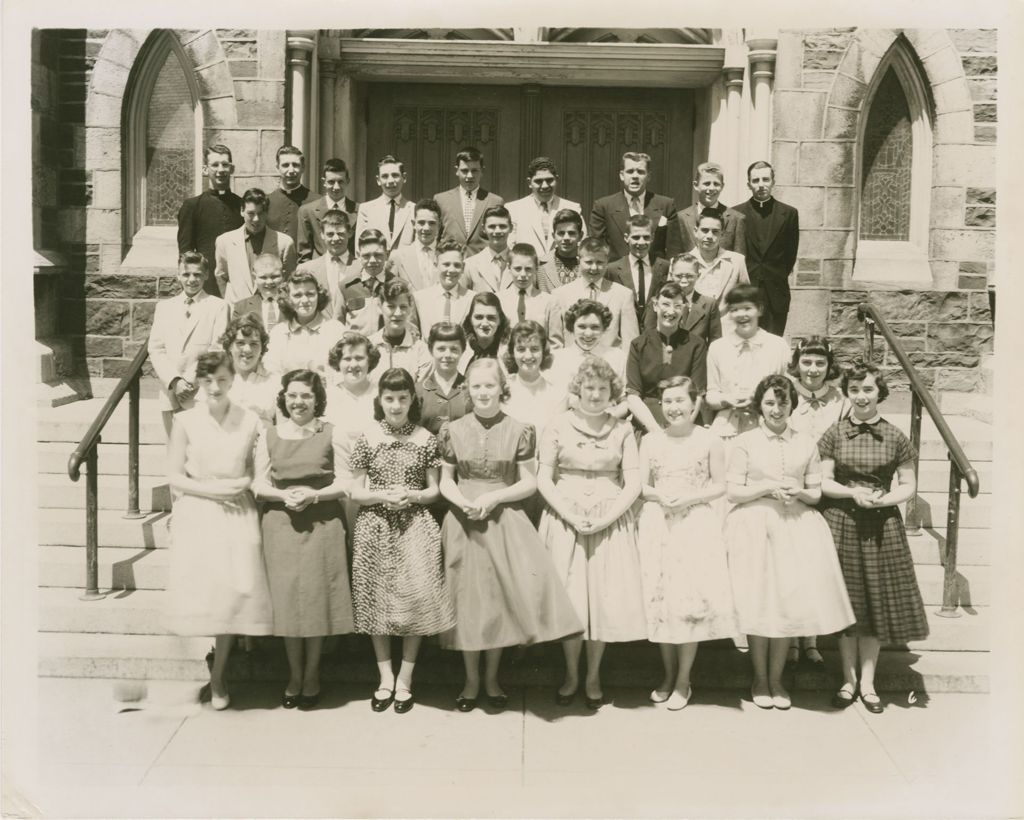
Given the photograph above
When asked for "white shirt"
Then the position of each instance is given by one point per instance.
(634, 271)
(430, 306)
(293, 346)
(257, 391)
(540, 308)
(735, 366)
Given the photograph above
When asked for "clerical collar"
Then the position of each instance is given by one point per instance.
(762, 205)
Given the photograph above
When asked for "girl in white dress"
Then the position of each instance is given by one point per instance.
(527, 359)
(217, 583)
(254, 387)
(687, 593)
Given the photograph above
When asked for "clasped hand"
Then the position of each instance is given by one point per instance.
(396, 498)
(480, 508)
(298, 498)
(786, 492)
(867, 497)
(588, 526)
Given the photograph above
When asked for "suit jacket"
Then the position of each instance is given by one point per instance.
(452, 224)
(283, 210)
(703, 319)
(310, 244)
(481, 274)
(201, 219)
(359, 307)
(618, 271)
(618, 299)
(329, 279)
(528, 223)
(770, 262)
(232, 268)
(374, 214)
(682, 231)
(175, 341)
(610, 215)
(406, 264)
(254, 304)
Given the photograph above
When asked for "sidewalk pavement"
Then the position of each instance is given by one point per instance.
(721, 756)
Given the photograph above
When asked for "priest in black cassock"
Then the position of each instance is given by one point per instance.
(217, 210)
(772, 241)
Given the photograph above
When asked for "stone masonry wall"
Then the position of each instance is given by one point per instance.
(822, 78)
(107, 308)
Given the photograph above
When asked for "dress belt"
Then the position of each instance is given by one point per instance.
(588, 473)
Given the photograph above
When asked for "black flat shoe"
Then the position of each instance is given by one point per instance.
(462, 704)
(873, 706)
(380, 704)
(290, 701)
(842, 699)
(593, 703)
(403, 706)
(498, 701)
(307, 702)
(564, 700)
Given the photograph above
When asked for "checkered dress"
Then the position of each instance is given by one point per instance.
(872, 544)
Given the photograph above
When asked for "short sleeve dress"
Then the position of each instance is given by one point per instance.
(398, 582)
(687, 591)
(503, 583)
(217, 583)
(816, 411)
(600, 571)
(786, 580)
(307, 564)
(872, 543)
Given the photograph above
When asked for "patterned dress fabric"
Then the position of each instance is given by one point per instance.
(872, 543)
(600, 571)
(687, 590)
(398, 583)
(502, 579)
(217, 583)
(786, 580)
(307, 565)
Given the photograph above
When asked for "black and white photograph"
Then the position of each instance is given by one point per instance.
(662, 468)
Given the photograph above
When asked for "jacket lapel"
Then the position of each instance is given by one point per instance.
(478, 208)
(696, 314)
(401, 217)
(689, 217)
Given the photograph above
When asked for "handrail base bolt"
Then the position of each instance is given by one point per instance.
(92, 596)
(949, 612)
(134, 515)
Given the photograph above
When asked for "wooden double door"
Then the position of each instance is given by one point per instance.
(584, 130)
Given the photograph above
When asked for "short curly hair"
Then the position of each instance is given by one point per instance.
(476, 364)
(815, 346)
(586, 307)
(859, 370)
(679, 381)
(352, 339)
(210, 362)
(302, 277)
(781, 386)
(246, 325)
(527, 329)
(594, 367)
(313, 381)
(397, 379)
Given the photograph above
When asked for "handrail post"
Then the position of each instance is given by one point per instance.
(913, 522)
(950, 585)
(133, 450)
(869, 339)
(92, 573)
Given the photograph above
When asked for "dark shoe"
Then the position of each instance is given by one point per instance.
(593, 703)
(461, 703)
(498, 701)
(564, 700)
(403, 706)
(307, 702)
(813, 656)
(290, 701)
(843, 698)
(874, 705)
(380, 704)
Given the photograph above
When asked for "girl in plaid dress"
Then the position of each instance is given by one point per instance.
(859, 456)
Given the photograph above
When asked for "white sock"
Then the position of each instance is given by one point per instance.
(405, 675)
(387, 675)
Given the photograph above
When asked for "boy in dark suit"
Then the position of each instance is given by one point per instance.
(463, 207)
(334, 181)
(611, 213)
(216, 210)
(637, 270)
(682, 231)
(773, 238)
(701, 316)
(290, 195)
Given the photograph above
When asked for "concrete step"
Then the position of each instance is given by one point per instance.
(120, 568)
(933, 477)
(974, 547)
(71, 422)
(60, 492)
(975, 513)
(974, 435)
(127, 568)
(113, 458)
(719, 664)
(63, 527)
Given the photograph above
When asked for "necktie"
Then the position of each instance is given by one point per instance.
(545, 220)
(272, 314)
(467, 213)
(593, 292)
(686, 313)
(521, 305)
(501, 264)
(635, 207)
(391, 217)
(642, 291)
(189, 301)
(447, 305)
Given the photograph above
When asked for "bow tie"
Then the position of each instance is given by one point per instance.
(816, 404)
(857, 429)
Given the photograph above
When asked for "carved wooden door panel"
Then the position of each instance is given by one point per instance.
(425, 125)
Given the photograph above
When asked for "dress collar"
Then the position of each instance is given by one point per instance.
(312, 426)
(857, 422)
(785, 435)
(406, 429)
(812, 394)
(578, 423)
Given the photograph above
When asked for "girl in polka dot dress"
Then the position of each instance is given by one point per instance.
(398, 583)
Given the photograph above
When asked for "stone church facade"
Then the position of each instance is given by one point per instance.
(884, 139)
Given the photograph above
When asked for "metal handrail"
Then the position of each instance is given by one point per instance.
(960, 468)
(87, 452)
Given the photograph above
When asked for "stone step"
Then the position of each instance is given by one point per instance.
(60, 492)
(66, 527)
(974, 547)
(113, 458)
(974, 435)
(933, 477)
(126, 568)
(140, 612)
(718, 664)
(71, 422)
(975, 513)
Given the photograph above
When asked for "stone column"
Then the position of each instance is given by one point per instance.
(732, 76)
(346, 134)
(300, 47)
(762, 48)
(328, 78)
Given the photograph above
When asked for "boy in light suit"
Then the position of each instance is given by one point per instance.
(533, 215)
(488, 270)
(334, 265)
(417, 263)
(237, 250)
(449, 299)
(592, 284)
(183, 327)
(390, 213)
